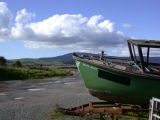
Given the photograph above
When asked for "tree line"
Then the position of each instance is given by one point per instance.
(3, 62)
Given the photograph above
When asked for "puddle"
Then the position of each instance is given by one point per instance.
(36, 89)
(65, 83)
(58, 81)
(19, 98)
(68, 83)
(3, 93)
(45, 83)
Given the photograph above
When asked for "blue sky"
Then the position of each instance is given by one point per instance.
(80, 25)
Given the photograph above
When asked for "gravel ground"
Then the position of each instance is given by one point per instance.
(34, 99)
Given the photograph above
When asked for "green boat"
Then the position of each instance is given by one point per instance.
(133, 81)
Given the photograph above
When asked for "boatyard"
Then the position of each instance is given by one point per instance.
(79, 60)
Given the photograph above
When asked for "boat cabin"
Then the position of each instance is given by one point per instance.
(143, 60)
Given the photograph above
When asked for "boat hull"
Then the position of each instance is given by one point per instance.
(117, 87)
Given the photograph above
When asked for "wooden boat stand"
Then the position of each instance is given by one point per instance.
(102, 108)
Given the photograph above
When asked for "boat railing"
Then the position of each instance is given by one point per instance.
(131, 66)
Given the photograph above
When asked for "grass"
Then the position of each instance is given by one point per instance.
(11, 73)
(59, 114)
(63, 116)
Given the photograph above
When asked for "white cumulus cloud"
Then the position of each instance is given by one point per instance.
(66, 31)
(70, 32)
(5, 20)
(23, 16)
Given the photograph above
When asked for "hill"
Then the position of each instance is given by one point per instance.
(63, 60)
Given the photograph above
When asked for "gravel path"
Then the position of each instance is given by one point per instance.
(34, 99)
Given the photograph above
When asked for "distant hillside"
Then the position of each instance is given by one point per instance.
(63, 60)
(66, 59)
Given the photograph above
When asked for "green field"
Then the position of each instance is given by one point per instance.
(30, 61)
(12, 73)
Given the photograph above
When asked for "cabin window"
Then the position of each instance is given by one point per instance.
(154, 55)
(114, 78)
(154, 61)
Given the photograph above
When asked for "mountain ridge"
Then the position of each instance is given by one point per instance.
(65, 59)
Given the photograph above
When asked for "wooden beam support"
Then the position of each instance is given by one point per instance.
(130, 51)
(148, 49)
(135, 59)
(141, 58)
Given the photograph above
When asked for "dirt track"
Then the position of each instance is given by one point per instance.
(34, 99)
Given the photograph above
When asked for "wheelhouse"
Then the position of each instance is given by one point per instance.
(144, 60)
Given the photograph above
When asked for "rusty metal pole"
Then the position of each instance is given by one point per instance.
(101, 108)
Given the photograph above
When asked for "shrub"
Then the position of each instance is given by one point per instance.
(12, 73)
(17, 64)
(2, 61)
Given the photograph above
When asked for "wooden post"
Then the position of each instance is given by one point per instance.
(135, 59)
(102, 55)
(148, 49)
(141, 58)
(130, 51)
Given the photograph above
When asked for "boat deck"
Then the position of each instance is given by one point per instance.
(119, 64)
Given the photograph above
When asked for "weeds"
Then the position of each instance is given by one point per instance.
(11, 73)
(62, 116)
